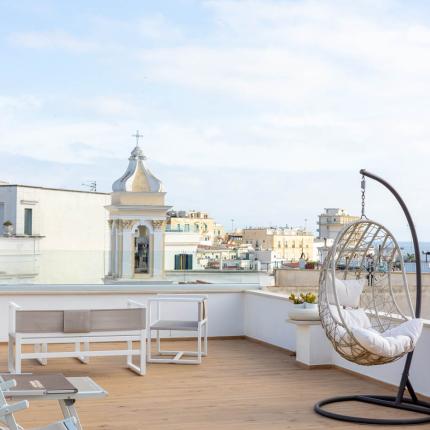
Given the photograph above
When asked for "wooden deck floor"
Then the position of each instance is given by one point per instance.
(240, 385)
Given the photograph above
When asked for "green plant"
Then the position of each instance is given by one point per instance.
(7, 223)
(310, 298)
(297, 300)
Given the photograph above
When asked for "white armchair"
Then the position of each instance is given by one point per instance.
(159, 322)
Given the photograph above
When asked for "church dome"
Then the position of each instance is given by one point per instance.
(137, 178)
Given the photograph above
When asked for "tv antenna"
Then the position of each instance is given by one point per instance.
(91, 185)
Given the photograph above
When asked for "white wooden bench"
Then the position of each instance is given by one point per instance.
(45, 328)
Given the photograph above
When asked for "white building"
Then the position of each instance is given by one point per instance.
(211, 232)
(60, 236)
(332, 221)
(269, 259)
(180, 250)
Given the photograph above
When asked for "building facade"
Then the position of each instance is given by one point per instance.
(199, 222)
(332, 221)
(290, 244)
(59, 235)
(180, 249)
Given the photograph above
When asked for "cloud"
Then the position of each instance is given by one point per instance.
(107, 106)
(54, 40)
(9, 104)
(158, 28)
(288, 97)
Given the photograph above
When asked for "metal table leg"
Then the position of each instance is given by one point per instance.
(68, 408)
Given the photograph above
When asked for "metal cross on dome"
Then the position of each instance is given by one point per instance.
(137, 136)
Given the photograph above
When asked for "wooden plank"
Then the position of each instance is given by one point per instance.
(240, 385)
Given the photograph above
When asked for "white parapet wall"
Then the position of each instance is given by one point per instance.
(225, 302)
(265, 315)
(265, 320)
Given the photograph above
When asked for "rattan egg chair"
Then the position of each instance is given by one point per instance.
(364, 250)
(359, 298)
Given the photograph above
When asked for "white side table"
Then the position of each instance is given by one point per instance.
(312, 346)
(87, 389)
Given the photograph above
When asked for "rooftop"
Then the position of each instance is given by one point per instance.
(5, 184)
(240, 385)
(250, 379)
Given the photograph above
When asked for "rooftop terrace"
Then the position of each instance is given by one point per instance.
(240, 385)
(250, 379)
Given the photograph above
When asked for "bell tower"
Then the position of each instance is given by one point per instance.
(137, 216)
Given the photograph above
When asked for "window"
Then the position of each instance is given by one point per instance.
(187, 227)
(183, 262)
(28, 221)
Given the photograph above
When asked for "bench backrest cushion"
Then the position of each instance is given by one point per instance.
(80, 321)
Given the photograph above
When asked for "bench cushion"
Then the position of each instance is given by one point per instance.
(77, 321)
(39, 321)
(80, 321)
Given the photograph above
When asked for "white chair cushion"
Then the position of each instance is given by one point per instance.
(393, 342)
(411, 328)
(348, 291)
(352, 317)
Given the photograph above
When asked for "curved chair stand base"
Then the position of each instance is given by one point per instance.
(386, 401)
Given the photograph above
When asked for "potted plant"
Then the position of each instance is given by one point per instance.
(310, 300)
(297, 301)
(8, 228)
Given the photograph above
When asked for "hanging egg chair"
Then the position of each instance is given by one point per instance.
(367, 311)
(357, 292)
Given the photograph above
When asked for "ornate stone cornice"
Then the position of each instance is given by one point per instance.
(128, 223)
(157, 224)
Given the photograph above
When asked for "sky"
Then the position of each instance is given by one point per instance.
(261, 112)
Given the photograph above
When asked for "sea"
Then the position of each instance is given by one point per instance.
(408, 248)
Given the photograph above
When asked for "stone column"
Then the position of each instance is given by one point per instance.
(127, 249)
(118, 248)
(158, 251)
(112, 248)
